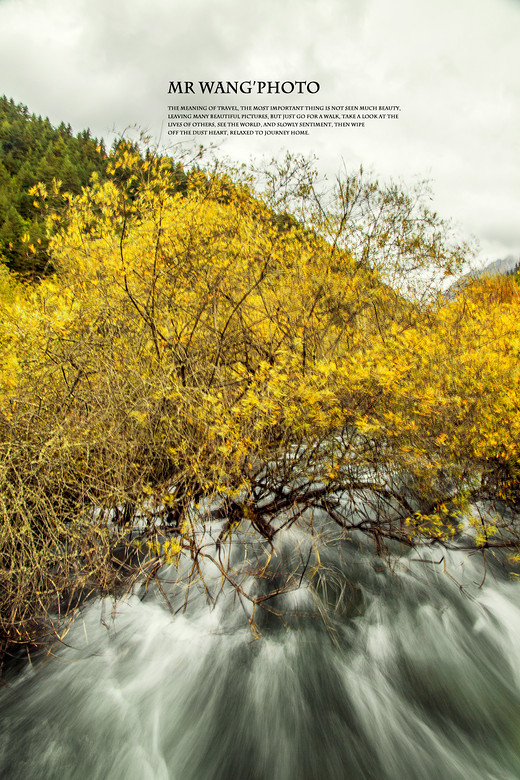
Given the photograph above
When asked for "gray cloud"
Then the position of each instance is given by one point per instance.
(452, 68)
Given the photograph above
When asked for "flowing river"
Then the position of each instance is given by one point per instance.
(407, 672)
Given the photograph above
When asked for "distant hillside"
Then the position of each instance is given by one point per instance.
(505, 265)
(32, 150)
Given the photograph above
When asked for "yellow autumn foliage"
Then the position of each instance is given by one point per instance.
(210, 346)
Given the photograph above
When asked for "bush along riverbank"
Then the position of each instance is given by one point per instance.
(248, 348)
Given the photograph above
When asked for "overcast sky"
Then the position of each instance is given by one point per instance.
(452, 66)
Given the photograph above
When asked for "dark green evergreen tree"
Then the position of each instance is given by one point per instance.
(32, 150)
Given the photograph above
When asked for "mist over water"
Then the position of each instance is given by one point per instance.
(407, 673)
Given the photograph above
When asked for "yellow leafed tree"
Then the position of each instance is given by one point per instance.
(252, 355)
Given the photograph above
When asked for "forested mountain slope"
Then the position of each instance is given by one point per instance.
(31, 151)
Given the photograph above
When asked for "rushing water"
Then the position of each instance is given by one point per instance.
(409, 673)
